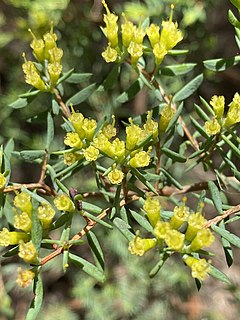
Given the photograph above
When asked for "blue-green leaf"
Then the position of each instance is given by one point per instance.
(188, 89)
(142, 221)
(232, 238)
(50, 130)
(78, 77)
(216, 197)
(87, 267)
(174, 155)
(177, 69)
(30, 155)
(19, 103)
(221, 64)
(37, 300)
(96, 249)
(214, 272)
(123, 227)
(130, 92)
(82, 95)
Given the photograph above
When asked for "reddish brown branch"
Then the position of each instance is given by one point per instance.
(63, 106)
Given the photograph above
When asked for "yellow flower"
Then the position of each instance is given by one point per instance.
(23, 222)
(24, 277)
(38, 47)
(89, 126)
(233, 114)
(72, 140)
(200, 267)
(27, 252)
(161, 229)
(55, 55)
(134, 134)
(151, 126)
(115, 176)
(136, 51)
(12, 237)
(3, 181)
(212, 127)
(32, 75)
(218, 104)
(63, 203)
(45, 214)
(23, 202)
(139, 34)
(111, 29)
(153, 34)
(71, 157)
(54, 70)
(118, 149)
(167, 114)
(109, 130)
(76, 119)
(203, 238)
(141, 159)
(180, 215)
(195, 223)
(91, 153)
(159, 52)
(152, 207)
(110, 54)
(174, 240)
(139, 246)
(128, 29)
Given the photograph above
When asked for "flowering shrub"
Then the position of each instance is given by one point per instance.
(133, 167)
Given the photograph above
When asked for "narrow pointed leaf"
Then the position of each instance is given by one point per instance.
(142, 221)
(78, 77)
(232, 238)
(177, 69)
(216, 197)
(174, 155)
(130, 92)
(188, 89)
(82, 95)
(96, 249)
(50, 130)
(227, 247)
(123, 227)
(37, 300)
(221, 64)
(214, 272)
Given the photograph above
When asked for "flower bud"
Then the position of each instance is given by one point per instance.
(174, 240)
(50, 39)
(115, 176)
(23, 202)
(91, 153)
(63, 203)
(89, 126)
(134, 134)
(23, 222)
(159, 52)
(111, 29)
(180, 215)
(200, 267)
(139, 34)
(212, 127)
(151, 126)
(233, 114)
(71, 157)
(3, 181)
(136, 51)
(139, 246)
(128, 29)
(153, 34)
(8, 238)
(167, 114)
(27, 252)
(45, 214)
(54, 70)
(72, 140)
(38, 47)
(55, 55)
(161, 229)
(203, 238)
(195, 223)
(76, 119)
(152, 207)
(109, 130)
(24, 277)
(218, 104)
(32, 75)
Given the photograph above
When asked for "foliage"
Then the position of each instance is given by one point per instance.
(137, 169)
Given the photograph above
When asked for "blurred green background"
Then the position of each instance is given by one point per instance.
(128, 292)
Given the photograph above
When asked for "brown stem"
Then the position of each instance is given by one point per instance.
(157, 169)
(63, 106)
(227, 213)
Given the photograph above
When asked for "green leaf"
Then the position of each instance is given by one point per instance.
(232, 238)
(174, 155)
(216, 197)
(81, 95)
(142, 221)
(177, 69)
(188, 89)
(221, 64)
(96, 219)
(110, 81)
(207, 106)
(130, 92)
(141, 177)
(37, 300)
(232, 19)
(65, 76)
(123, 227)
(214, 272)
(50, 130)
(171, 178)
(227, 247)
(29, 94)
(60, 221)
(36, 231)
(30, 155)
(199, 127)
(201, 113)
(231, 146)
(163, 257)
(96, 249)
(87, 267)
(19, 103)
(177, 52)
(236, 3)
(78, 77)
(91, 207)
(55, 107)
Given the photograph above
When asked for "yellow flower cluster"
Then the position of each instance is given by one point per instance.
(218, 122)
(132, 38)
(183, 233)
(86, 142)
(49, 55)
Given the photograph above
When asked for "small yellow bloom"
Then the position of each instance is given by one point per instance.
(12, 237)
(200, 267)
(136, 51)
(118, 149)
(115, 176)
(72, 140)
(111, 29)
(54, 70)
(32, 75)
(195, 223)
(174, 240)
(3, 181)
(139, 34)
(23, 202)
(45, 214)
(109, 130)
(141, 159)
(27, 252)
(63, 203)
(128, 29)
(180, 215)
(161, 229)
(212, 127)
(139, 246)
(151, 126)
(152, 207)
(110, 54)
(102, 143)
(134, 134)
(159, 52)
(153, 34)
(89, 126)
(25, 277)
(38, 47)
(203, 238)
(233, 114)
(91, 153)
(22, 222)
(55, 55)
(71, 157)
(218, 104)
(166, 116)
(76, 119)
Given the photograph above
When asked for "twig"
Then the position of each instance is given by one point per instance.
(221, 217)
(63, 106)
